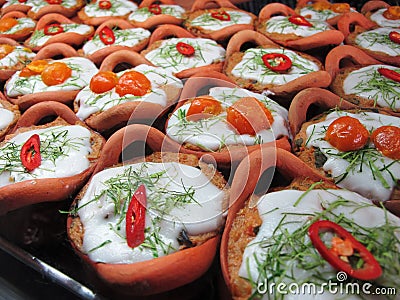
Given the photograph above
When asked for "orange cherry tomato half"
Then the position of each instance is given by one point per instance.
(7, 23)
(56, 73)
(34, 68)
(321, 5)
(155, 9)
(391, 74)
(133, 83)
(5, 49)
(340, 7)
(103, 82)
(54, 1)
(203, 108)
(249, 116)
(105, 4)
(299, 20)
(387, 140)
(394, 36)
(185, 49)
(392, 13)
(347, 134)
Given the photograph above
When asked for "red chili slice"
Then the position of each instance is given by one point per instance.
(107, 36)
(105, 4)
(299, 20)
(22, 1)
(136, 218)
(54, 1)
(30, 153)
(394, 36)
(53, 29)
(277, 62)
(370, 269)
(185, 49)
(155, 9)
(221, 15)
(391, 74)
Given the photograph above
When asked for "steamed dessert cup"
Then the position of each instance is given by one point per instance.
(9, 115)
(151, 14)
(287, 237)
(357, 149)
(382, 43)
(382, 13)
(16, 25)
(183, 54)
(363, 80)
(322, 10)
(98, 11)
(141, 93)
(271, 68)
(13, 57)
(56, 28)
(217, 23)
(136, 221)
(47, 79)
(281, 24)
(48, 162)
(36, 9)
(114, 35)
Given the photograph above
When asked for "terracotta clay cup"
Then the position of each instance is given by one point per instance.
(20, 35)
(70, 38)
(251, 174)
(378, 8)
(156, 19)
(318, 40)
(367, 30)
(133, 111)
(166, 31)
(234, 56)
(114, 24)
(344, 61)
(4, 104)
(224, 8)
(39, 190)
(302, 109)
(160, 274)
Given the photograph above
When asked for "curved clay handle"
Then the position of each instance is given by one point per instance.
(246, 36)
(346, 21)
(28, 100)
(303, 100)
(274, 9)
(55, 49)
(16, 7)
(147, 3)
(52, 18)
(320, 39)
(123, 56)
(202, 4)
(168, 30)
(217, 67)
(122, 138)
(373, 5)
(37, 112)
(337, 54)
(245, 180)
(14, 14)
(114, 22)
(8, 41)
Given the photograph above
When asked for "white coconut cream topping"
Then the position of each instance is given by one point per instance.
(123, 37)
(179, 197)
(167, 56)
(6, 117)
(39, 38)
(207, 22)
(214, 133)
(19, 55)
(378, 40)
(366, 171)
(368, 83)
(322, 15)
(283, 253)
(82, 71)
(118, 8)
(64, 151)
(38, 4)
(23, 23)
(281, 25)
(252, 67)
(379, 19)
(142, 14)
(90, 102)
